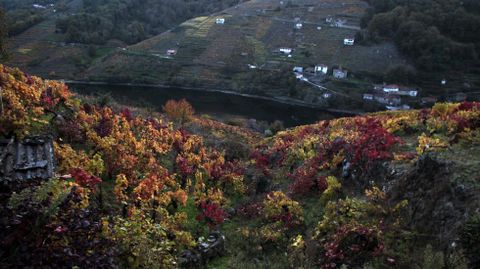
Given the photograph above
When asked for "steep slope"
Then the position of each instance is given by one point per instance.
(218, 55)
(134, 189)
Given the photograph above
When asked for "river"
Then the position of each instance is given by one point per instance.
(219, 105)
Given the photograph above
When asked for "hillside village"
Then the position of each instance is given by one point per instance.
(250, 48)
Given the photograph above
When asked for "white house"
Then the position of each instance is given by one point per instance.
(368, 96)
(39, 6)
(286, 50)
(391, 88)
(220, 21)
(327, 95)
(171, 52)
(298, 26)
(321, 68)
(349, 41)
(340, 73)
(298, 69)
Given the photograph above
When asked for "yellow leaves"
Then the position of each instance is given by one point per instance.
(120, 189)
(333, 188)
(443, 110)
(68, 158)
(215, 196)
(277, 203)
(427, 143)
(95, 165)
(397, 121)
(297, 242)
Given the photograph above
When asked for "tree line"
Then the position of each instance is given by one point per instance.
(436, 34)
(131, 21)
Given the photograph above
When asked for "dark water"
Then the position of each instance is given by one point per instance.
(217, 104)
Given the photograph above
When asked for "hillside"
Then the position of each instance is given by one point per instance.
(83, 41)
(218, 55)
(60, 39)
(138, 188)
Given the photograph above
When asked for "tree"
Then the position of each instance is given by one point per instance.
(180, 111)
(3, 36)
(403, 74)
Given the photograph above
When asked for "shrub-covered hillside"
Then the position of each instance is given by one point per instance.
(135, 188)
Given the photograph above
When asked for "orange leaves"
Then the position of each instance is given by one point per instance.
(148, 187)
(179, 111)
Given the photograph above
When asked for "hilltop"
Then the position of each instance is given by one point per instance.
(139, 188)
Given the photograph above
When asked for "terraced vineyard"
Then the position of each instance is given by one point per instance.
(210, 54)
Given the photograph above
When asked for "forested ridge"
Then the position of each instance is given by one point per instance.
(435, 34)
(96, 22)
(132, 21)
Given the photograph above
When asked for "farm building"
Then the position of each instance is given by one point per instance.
(388, 100)
(220, 21)
(412, 93)
(321, 69)
(340, 73)
(349, 41)
(285, 50)
(171, 52)
(391, 88)
(298, 69)
(32, 158)
(395, 90)
(298, 26)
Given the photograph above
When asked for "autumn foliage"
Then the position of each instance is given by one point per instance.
(179, 111)
(136, 191)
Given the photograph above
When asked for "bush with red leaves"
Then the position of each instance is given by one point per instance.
(84, 179)
(306, 180)
(212, 214)
(352, 246)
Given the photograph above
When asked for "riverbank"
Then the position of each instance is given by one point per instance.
(281, 100)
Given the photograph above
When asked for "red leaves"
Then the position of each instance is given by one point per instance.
(352, 246)
(183, 166)
(307, 180)
(469, 106)
(84, 179)
(127, 114)
(211, 213)
(374, 143)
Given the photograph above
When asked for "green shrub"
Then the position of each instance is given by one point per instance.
(470, 241)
